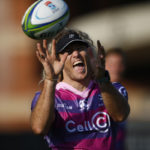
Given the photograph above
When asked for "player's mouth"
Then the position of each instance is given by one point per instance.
(79, 66)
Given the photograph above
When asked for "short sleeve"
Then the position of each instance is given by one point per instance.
(35, 99)
(121, 89)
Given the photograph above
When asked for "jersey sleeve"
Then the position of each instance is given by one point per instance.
(35, 99)
(122, 90)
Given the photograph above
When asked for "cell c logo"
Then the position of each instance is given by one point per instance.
(100, 121)
(97, 118)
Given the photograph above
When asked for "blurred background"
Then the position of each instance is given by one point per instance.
(116, 23)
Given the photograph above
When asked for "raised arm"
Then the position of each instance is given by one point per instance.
(116, 105)
(43, 113)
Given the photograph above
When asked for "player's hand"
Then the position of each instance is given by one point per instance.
(52, 66)
(100, 62)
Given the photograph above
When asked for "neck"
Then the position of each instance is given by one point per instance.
(79, 85)
(115, 79)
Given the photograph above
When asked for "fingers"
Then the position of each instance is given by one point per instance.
(53, 48)
(101, 54)
(45, 44)
(101, 51)
(39, 53)
(98, 44)
(45, 47)
(39, 57)
(63, 58)
(39, 48)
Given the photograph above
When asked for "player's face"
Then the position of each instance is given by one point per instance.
(77, 66)
(115, 66)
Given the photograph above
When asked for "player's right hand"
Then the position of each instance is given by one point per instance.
(52, 66)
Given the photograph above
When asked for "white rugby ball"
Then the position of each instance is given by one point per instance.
(45, 18)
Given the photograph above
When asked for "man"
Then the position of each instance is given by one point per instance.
(81, 111)
(115, 64)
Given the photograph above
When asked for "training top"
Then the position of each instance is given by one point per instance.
(81, 119)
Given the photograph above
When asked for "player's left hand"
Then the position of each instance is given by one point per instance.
(100, 62)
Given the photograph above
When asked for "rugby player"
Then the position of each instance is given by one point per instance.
(78, 107)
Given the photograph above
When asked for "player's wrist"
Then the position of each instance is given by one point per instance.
(49, 84)
(105, 78)
(51, 80)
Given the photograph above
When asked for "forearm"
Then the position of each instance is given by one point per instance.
(116, 105)
(43, 114)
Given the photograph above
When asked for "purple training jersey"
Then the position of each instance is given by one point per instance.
(82, 121)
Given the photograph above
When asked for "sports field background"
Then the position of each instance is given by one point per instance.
(116, 23)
